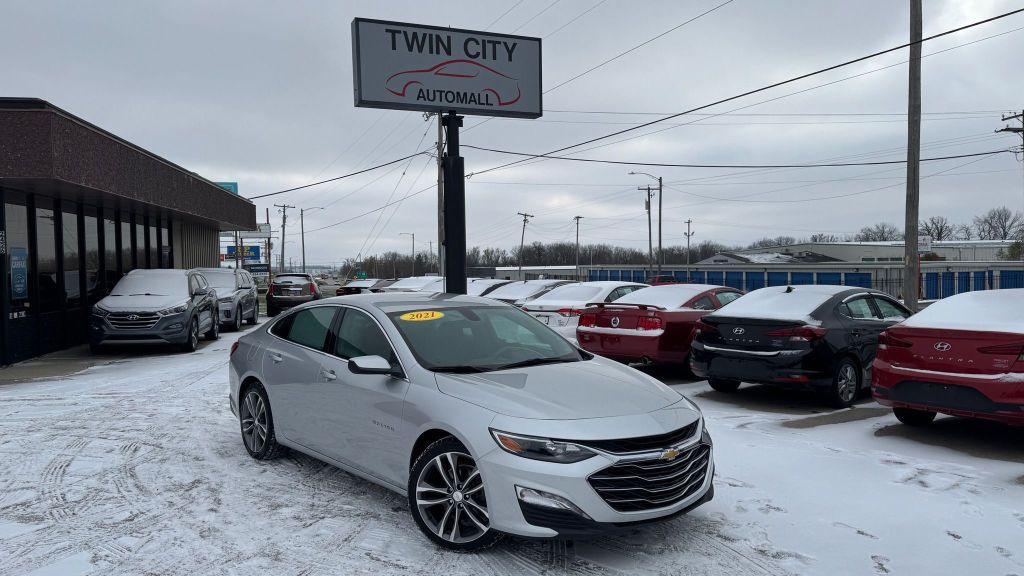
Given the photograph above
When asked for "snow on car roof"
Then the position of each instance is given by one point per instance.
(667, 296)
(781, 302)
(986, 311)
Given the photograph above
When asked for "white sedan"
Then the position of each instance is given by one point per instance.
(560, 309)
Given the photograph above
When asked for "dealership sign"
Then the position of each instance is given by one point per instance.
(434, 69)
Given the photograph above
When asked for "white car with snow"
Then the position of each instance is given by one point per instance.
(560, 308)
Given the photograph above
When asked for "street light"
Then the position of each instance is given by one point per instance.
(413, 253)
(302, 227)
(658, 178)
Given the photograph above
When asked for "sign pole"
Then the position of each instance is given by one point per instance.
(454, 209)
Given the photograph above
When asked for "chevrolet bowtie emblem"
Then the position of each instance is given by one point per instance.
(670, 454)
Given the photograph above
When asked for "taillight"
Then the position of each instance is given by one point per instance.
(588, 320)
(569, 312)
(312, 288)
(1005, 349)
(799, 334)
(886, 340)
(234, 347)
(649, 323)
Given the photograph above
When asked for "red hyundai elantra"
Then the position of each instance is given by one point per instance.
(963, 356)
(651, 324)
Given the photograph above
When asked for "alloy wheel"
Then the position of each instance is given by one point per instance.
(847, 382)
(450, 498)
(254, 422)
(238, 319)
(193, 335)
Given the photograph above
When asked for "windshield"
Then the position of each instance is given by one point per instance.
(573, 293)
(222, 281)
(477, 338)
(152, 285)
(291, 279)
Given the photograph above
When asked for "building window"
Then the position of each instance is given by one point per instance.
(50, 296)
(140, 242)
(110, 275)
(154, 244)
(20, 262)
(72, 267)
(165, 246)
(127, 255)
(93, 286)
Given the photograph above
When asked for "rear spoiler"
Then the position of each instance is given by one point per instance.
(624, 305)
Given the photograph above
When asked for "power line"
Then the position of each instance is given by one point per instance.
(535, 16)
(625, 113)
(365, 170)
(578, 16)
(763, 88)
(738, 166)
(503, 14)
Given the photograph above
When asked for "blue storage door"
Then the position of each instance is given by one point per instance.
(602, 274)
(755, 280)
(963, 282)
(1011, 279)
(639, 275)
(679, 275)
(734, 280)
(697, 277)
(716, 278)
(980, 282)
(830, 278)
(948, 281)
(592, 275)
(778, 278)
(931, 286)
(614, 274)
(798, 278)
(862, 279)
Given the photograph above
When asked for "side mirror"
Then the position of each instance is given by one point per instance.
(370, 365)
(200, 292)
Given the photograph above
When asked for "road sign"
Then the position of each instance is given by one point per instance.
(434, 69)
(263, 232)
(252, 253)
(261, 270)
(924, 244)
(229, 186)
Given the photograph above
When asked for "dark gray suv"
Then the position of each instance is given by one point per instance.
(172, 306)
(236, 296)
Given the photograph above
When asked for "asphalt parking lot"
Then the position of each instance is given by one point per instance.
(131, 463)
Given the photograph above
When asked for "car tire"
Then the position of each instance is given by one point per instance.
(191, 343)
(214, 332)
(914, 417)
(254, 319)
(846, 382)
(436, 483)
(256, 423)
(724, 386)
(237, 327)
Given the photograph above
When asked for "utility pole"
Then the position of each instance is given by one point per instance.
(413, 253)
(270, 260)
(1020, 131)
(650, 241)
(912, 264)
(284, 222)
(688, 235)
(440, 193)
(522, 241)
(577, 219)
(302, 227)
(661, 254)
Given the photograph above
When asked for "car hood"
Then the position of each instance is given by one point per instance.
(135, 303)
(596, 388)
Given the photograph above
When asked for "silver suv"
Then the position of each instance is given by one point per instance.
(487, 420)
(236, 296)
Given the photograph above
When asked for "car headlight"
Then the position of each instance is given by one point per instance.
(100, 310)
(173, 310)
(541, 448)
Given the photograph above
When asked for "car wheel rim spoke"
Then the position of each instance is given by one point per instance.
(456, 518)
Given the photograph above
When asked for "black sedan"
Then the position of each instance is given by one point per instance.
(815, 337)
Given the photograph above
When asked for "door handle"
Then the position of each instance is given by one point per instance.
(277, 358)
(328, 375)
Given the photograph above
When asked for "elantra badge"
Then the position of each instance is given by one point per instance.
(669, 455)
(943, 346)
(615, 321)
(739, 330)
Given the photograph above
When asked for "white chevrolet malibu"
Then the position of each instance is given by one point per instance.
(488, 421)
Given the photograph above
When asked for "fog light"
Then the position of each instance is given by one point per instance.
(547, 500)
(175, 326)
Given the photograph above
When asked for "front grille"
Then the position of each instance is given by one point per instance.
(644, 443)
(133, 320)
(650, 484)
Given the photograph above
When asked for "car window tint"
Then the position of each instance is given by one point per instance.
(360, 336)
(860, 309)
(726, 297)
(309, 327)
(703, 304)
(890, 311)
(280, 328)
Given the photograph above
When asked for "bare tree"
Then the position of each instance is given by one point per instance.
(823, 238)
(938, 227)
(880, 232)
(999, 224)
(963, 232)
(773, 242)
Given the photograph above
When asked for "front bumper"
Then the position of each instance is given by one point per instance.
(172, 329)
(999, 398)
(785, 368)
(504, 472)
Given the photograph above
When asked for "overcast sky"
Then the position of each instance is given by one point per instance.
(261, 93)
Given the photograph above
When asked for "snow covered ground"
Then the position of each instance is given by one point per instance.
(135, 467)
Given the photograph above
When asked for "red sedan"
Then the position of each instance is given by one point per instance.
(651, 324)
(962, 356)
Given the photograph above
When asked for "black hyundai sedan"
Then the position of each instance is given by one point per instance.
(814, 337)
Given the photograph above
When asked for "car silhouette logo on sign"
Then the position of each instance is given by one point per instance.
(739, 330)
(943, 346)
(615, 321)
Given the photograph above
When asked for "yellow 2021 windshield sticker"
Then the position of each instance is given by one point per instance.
(421, 316)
